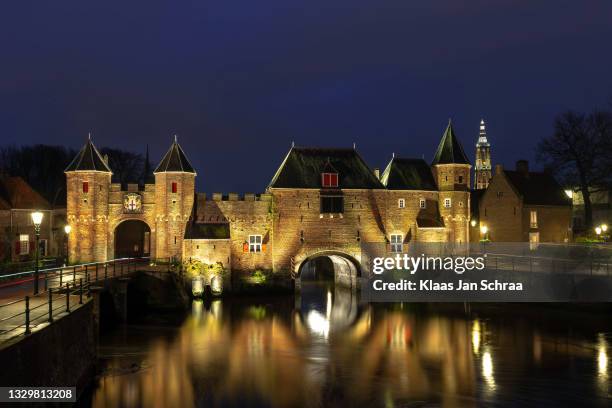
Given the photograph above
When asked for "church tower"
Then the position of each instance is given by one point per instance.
(174, 196)
(451, 169)
(88, 179)
(482, 170)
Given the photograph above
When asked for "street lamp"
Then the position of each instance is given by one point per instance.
(604, 228)
(37, 218)
(67, 229)
(483, 230)
(473, 223)
(598, 231)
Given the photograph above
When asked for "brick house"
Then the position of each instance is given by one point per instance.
(524, 206)
(17, 239)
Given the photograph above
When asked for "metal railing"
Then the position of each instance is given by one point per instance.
(520, 263)
(64, 288)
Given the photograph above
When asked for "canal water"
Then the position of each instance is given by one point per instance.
(324, 349)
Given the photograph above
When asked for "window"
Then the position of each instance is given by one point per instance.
(24, 244)
(401, 203)
(534, 240)
(447, 203)
(85, 187)
(422, 203)
(332, 204)
(254, 243)
(42, 247)
(500, 194)
(174, 187)
(396, 243)
(533, 219)
(460, 179)
(329, 179)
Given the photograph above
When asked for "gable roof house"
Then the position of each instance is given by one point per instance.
(17, 201)
(525, 206)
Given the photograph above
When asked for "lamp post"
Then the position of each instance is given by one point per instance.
(67, 229)
(484, 230)
(37, 218)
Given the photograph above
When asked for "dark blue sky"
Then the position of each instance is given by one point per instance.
(239, 80)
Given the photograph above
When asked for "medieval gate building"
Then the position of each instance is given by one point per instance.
(322, 202)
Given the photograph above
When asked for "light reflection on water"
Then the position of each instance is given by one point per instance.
(324, 349)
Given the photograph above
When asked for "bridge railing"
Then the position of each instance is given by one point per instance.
(64, 288)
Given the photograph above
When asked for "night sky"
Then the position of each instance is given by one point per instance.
(239, 80)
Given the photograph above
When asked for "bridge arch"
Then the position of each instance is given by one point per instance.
(346, 268)
(132, 238)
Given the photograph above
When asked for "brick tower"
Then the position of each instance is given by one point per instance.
(174, 195)
(451, 170)
(482, 168)
(88, 179)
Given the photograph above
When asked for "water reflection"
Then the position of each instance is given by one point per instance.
(324, 349)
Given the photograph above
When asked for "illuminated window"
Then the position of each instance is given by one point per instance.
(396, 243)
(422, 203)
(174, 187)
(24, 244)
(85, 187)
(254, 243)
(329, 180)
(533, 219)
(401, 203)
(447, 203)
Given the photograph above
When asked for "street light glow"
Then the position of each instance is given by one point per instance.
(484, 229)
(473, 223)
(37, 218)
(598, 230)
(67, 228)
(604, 227)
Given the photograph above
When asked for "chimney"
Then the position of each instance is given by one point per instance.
(499, 169)
(522, 166)
(377, 172)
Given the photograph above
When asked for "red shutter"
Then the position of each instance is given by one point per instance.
(245, 247)
(174, 187)
(326, 180)
(334, 180)
(86, 187)
(263, 247)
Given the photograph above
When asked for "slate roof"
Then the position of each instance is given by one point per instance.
(175, 159)
(207, 231)
(16, 193)
(537, 188)
(450, 150)
(88, 159)
(408, 174)
(303, 166)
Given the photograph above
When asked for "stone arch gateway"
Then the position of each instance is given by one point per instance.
(347, 269)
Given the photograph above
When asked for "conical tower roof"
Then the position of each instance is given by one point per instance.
(450, 150)
(175, 159)
(88, 159)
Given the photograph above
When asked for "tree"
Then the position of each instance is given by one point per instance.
(127, 166)
(41, 166)
(580, 153)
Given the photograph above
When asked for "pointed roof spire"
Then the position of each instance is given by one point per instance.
(482, 136)
(450, 150)
(175, 159)
(88, 159)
